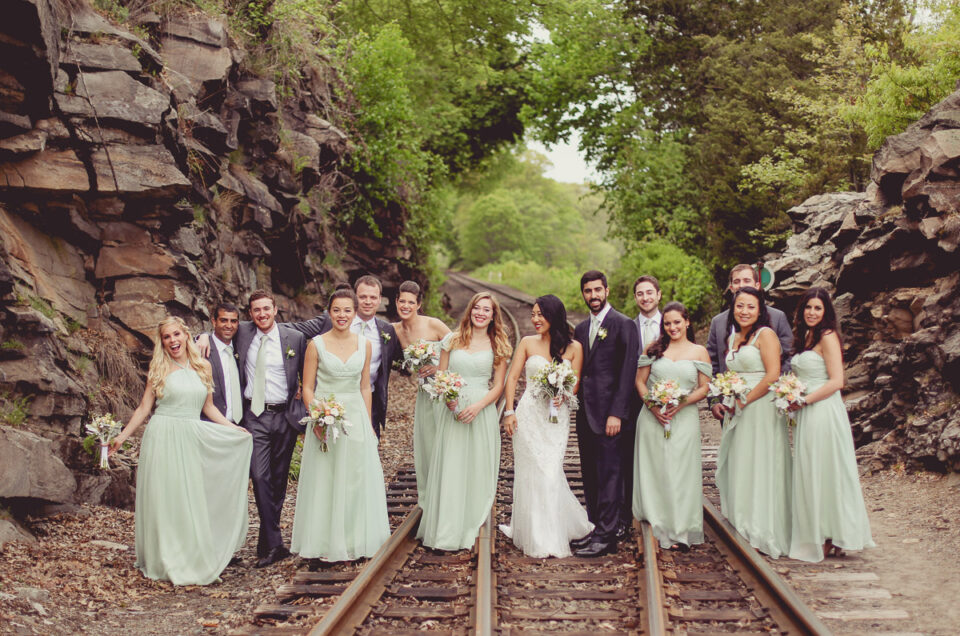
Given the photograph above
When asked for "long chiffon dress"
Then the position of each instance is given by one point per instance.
(191, 503)
(424, 433)
(341, 512)
(754, 467)
(827, 500)
(667, 473)
(545, 515)
(464, 462)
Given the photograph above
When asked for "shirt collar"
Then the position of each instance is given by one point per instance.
(655, 318)
(270, 334)
(220, 343)
(372, 322)
(603, 313)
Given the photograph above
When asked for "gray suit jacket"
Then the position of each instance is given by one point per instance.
(219, 381)
(720, 331)
(290, 340)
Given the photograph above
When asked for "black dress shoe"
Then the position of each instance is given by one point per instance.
(623, 531)
(235, 561)
(278, 553)
(582, 542)
(597, 549)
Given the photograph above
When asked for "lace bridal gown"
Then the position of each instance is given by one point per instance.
(546, 515)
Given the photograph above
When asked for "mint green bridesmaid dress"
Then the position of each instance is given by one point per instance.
(754, 467)
(424, 433)
(827, 500)
(667, 473)
(464, 462)
(341, 512)
(191, 504)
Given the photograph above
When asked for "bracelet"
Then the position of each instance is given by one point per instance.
(508, 413)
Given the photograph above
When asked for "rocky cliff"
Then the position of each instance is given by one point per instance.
(890, 258)
(145, 170)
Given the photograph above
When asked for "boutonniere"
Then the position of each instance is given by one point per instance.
(236, 356)
(291, 352)
(385, 336)
(601, 333)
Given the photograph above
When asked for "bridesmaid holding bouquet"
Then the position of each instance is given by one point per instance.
(341, 510)
(465, 459)
(415, 327)
(191, 506)
(667, 474)
(828, 510)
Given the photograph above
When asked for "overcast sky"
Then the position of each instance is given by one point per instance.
(568, 165)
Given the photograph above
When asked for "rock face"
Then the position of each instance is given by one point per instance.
(889, 256)
(143, 175)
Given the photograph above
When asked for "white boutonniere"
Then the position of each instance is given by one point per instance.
(291, 352)
(385, 336)
(601, 334)
(236, 355)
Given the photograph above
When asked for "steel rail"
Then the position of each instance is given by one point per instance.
(787, 609)
(357, 601)
(653, 599)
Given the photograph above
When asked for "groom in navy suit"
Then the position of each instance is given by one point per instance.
(609, 341)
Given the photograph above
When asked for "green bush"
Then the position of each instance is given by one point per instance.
(682, 277)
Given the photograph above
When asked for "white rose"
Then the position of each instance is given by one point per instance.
(328, 420)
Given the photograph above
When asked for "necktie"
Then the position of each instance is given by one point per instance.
(650, 331)
(236, 406)
(260, 378)
(594, 325)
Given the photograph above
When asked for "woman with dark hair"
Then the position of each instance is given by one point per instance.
(546, 515)
(667, 477)
(415, 327)
(754, 463)
(341, 512)
(465, 461)
(828, 510)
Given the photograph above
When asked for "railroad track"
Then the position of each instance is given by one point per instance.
(721, 586)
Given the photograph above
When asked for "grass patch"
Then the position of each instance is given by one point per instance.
(14, 411)
(11, 345)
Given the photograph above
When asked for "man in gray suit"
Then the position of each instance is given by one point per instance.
(647, 294)
(227, 393)
(744, 275)
(270, 363)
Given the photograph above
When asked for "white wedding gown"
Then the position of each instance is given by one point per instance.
(546, 515)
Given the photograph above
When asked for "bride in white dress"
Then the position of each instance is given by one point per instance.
(546, 515)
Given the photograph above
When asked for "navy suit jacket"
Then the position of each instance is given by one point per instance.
(607, 382)
(290, 340)
(389, 352)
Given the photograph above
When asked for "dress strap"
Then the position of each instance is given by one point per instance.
(645, 361)
(362, 347)
(753, 338)
(318, 343)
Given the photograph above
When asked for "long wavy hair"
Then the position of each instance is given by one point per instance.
(763, 320)
(660, 345)
(161, 363)
(555, 313)
(828, 323)
(499, 343)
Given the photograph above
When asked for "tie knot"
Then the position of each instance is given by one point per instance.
(228, 348)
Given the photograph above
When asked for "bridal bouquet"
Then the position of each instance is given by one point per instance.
(445, 386)
(329, 416)
(664, 394)
(787, 391)
(728, 386)
(554, 380)
(103, 429)
(418, 355)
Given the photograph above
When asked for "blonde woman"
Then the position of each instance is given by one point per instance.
(465, 459)
(191, 506)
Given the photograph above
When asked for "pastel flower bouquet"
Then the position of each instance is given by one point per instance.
(327, 416)
(554, 380)
(419, 355)
(445, 386)
(788, 391)
(729, 387)
(103, 429)
(665, 394)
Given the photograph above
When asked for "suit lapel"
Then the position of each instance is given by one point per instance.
(598, 340)
(217, 368)
(384, 358)
(289, 362)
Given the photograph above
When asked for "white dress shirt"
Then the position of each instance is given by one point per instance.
(226, 359)
(372, 333)
(603, 313)
(275, 388)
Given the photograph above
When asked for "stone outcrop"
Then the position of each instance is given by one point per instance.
(143, 173)
(890, 258)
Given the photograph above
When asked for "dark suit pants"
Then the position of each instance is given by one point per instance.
(602, 479)
(273, 443)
